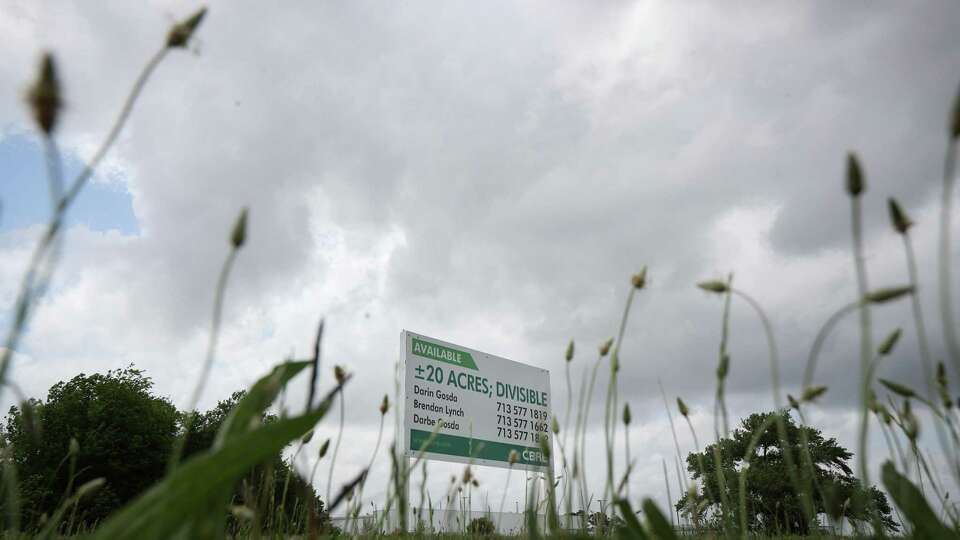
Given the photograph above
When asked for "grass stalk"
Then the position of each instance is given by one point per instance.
(676, 442)
(855, 188)
(894, 453)
(503, 498)
(922, 341)
(579, 419)
(724, 363)
(805, 497)
(373, 457)
(586, 417)
(237, 239)
(702, 468)
(742, 480)
(626, 444)
(945, 255)
(917, 310)
(610, 410)
(666, 484)
(821, 337)
(336, 447)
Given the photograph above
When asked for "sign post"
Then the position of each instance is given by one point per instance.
(466, 406)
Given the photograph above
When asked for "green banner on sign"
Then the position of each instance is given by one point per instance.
(454, 445)
(449, 355)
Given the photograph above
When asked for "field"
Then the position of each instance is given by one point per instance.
(720, 492)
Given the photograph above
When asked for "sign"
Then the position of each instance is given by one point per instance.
(465, 406)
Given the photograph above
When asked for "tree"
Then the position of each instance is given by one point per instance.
(110, 426)
(123, 434)
(772, 504)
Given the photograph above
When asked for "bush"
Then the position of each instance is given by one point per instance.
(482, 526)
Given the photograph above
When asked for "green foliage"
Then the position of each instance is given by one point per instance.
(124, 435)
(110, 426)
(482, 526)
(180, 503)
(914, 505)
(272, 485)
(773, 507)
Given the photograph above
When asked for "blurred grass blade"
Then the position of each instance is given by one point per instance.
(659, 526)
(914, 505)
(897, 388)
(632, 530)
(184, 495)
(260, 396)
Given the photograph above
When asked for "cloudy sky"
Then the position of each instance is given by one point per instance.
(490, 173)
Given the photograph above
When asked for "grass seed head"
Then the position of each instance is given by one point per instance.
(243, 513)
(569, 353)
(626, 414)
(887, 294)
(897, 388)
(339, 374)
(239, 234)
(684, 410)
(714, 286)
(901, 223)
(911, 426)
(887, 345)
(855, 183)
(182, 31)
(307, 438)
(872, 402)
(467, 475)
(544, 443)
(605, 347)
(44, 95)
(794, 404)
(323, 449)
(554, 425)
(811, 393)
(955, 118)
(942, 387)
(639, 279)
(724, 367)
(514, 456)
(384, 405)
(90, 487)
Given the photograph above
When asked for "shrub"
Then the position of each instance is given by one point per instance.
(482, 526)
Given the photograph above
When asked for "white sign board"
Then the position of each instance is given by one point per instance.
(485, 406)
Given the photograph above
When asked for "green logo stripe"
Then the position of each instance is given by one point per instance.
(433, 351)
(454, 445)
